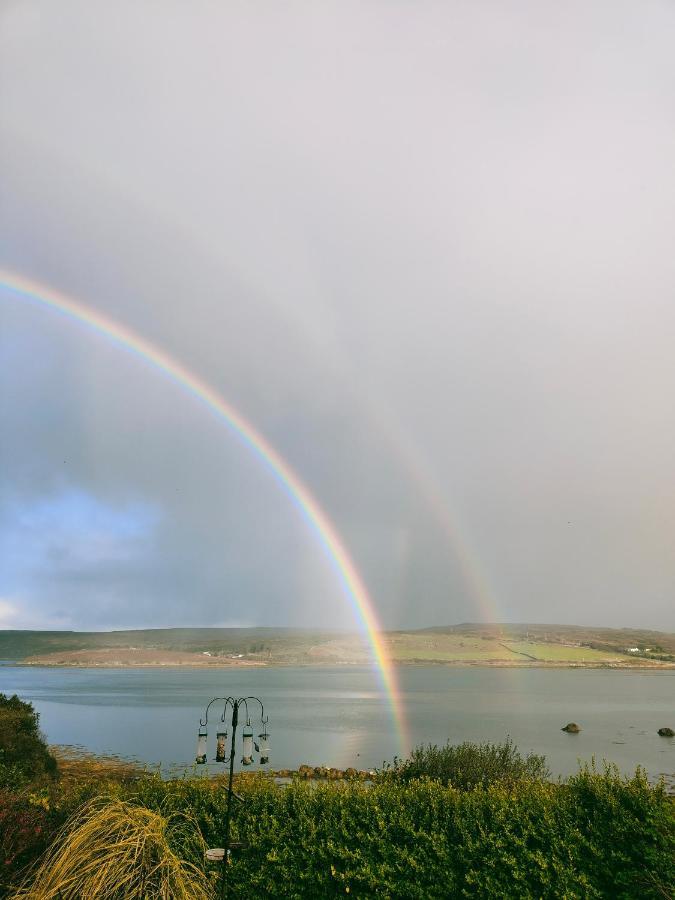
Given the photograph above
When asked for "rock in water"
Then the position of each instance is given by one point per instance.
(571, 728)
(666, 732)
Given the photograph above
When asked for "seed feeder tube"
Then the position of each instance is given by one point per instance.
(201, 747)
(247, 752)
(264, 747)
(221, 746)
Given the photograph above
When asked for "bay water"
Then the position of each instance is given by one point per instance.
(342, 717)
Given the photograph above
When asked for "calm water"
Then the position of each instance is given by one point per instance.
(339, 716)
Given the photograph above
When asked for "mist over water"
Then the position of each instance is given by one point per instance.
(338, 716)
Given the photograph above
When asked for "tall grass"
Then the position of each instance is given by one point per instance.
(468, 765)
(115, 850)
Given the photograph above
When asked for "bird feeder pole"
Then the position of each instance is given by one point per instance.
(234, 704)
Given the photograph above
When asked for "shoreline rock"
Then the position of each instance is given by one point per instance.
(323, 773)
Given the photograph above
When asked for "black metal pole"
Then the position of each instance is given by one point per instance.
(228, 810)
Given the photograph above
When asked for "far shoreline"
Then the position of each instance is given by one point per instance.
(452, 664)
(464, 646)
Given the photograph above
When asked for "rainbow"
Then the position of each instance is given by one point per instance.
(420, 471)
(352, 584)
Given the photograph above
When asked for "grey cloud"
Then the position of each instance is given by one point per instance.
(426, 248)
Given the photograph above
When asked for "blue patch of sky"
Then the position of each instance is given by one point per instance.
(70, 531)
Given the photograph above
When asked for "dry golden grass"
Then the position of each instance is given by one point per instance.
(115, 850)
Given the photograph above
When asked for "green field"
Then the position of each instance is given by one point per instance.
(444, 648)
(459, 648)
(563, 653)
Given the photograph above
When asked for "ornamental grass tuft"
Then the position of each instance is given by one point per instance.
(116, 849)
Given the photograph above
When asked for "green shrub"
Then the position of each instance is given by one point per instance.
(638, 856)
(598, 835)
(24, 757)
(469, 765)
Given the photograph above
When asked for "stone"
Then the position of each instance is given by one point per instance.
(571, 728)
(666, 732)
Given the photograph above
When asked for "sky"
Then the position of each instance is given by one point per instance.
(425, 248)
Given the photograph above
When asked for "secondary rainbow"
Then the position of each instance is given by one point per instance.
(352, 583)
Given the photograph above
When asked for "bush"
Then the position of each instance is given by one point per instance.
(638, 856)
(24, 757)
(598, 835)
(25, 831)
(468, 765)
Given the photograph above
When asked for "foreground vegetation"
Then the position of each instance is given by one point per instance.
(474, 821)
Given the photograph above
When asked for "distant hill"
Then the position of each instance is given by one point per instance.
(465, 644)
(18, 645)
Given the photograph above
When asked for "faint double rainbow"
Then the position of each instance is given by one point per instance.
(351, 581)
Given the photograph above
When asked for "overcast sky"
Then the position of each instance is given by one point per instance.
(425, 248)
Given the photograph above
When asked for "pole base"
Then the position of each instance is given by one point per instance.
(216, 854)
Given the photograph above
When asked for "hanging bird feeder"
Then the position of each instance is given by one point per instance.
(201, 746)
(221, 746)
(264, 747)
(247, 750)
